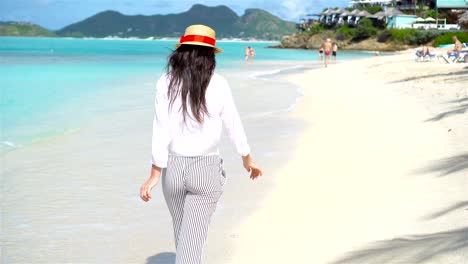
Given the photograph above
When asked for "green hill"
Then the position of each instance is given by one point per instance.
(260, 23)
(24, 29)
(255, 23)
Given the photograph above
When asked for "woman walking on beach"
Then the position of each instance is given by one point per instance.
(192, 104)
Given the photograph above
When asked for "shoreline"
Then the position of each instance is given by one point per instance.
(146, 39)
(403, 48)
(342, 211)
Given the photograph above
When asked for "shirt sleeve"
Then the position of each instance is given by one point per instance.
(161, 136)
(233, 124)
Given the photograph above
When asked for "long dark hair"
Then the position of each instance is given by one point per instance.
(190, 68)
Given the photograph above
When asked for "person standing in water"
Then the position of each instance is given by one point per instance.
(192, 104)
(252, 54)
(247, 54)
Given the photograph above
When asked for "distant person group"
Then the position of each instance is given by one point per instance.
(328, 51)
(249, 54)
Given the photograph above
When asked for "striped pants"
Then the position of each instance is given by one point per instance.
(192, 187)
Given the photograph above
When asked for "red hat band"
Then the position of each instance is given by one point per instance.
(197, 38)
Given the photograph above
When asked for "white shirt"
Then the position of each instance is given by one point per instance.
(171, 135)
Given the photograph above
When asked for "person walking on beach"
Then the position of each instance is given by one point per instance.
(192, 104)
(321, 52)
(327, 48)
(334, 51)
(251, 54)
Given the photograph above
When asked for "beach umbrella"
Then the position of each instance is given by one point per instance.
(420, 19)
(429, 19)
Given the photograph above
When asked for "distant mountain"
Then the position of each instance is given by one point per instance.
(255, 23)
(24, 29)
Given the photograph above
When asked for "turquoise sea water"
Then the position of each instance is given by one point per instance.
(49, 86)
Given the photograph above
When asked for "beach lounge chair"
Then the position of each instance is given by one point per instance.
(462, 58)
(454, 57)
(426, 57)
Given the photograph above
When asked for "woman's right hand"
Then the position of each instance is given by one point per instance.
(250, 166)
(145, 189)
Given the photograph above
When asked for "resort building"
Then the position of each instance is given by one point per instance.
(392, 17)
(406, 5)
(396, 14)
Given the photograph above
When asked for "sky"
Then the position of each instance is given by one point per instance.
(56, 14)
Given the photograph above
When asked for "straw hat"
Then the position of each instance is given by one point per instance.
(199, 35)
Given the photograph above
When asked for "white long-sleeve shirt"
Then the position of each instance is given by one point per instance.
(171, 135)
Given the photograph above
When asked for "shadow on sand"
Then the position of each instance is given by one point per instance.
(458, 206)
(456, 110)
(451, 76)
(412, 249)
(459, 106)
(448, 165)
(162, 258)
(416, 249)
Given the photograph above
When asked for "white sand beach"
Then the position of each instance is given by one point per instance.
(379, 176)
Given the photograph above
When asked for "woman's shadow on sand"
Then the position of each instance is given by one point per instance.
(162, 258)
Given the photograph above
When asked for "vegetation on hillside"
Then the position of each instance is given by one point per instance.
(24, 29)
(257, 22)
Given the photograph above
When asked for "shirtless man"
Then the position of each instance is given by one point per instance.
(327, 49)
(334, 51)
(458, 47)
